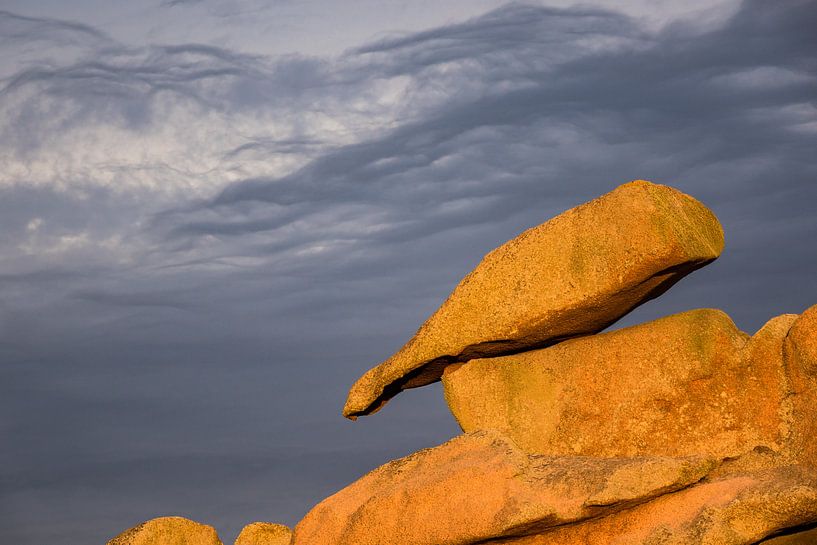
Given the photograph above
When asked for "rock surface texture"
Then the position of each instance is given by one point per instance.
(573, 275)
(264, 533)
(168, 531)
(680, 431)
(481, 486)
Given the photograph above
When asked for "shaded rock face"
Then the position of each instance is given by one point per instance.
(168, 531)
(687, 384)
(805, 537)
(264, 533)
(573, 275)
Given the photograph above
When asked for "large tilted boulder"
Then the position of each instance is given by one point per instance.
(168, 531)
(480, 486)
(686, 384)
(573, 275)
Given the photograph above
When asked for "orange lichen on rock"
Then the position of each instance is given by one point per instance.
(168, 531)
(573, 275)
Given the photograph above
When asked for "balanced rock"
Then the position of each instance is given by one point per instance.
(573, 275)
(480, 486)
(687, 384)
(168, 531)
(264, 533)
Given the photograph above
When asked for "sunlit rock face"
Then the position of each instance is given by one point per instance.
(168, 531)
(573, 275)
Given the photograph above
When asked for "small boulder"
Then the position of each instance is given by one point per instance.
(573, 275)
(264, 533)
(168, 531)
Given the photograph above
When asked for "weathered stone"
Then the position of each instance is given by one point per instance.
(800, 356)
(264, 533)
(740, 510)
(573, 275)
(168, 531)
(682, 385)
(480, 486)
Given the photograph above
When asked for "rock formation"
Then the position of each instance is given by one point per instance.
(680, 431)
(683, 430)
(573, 275)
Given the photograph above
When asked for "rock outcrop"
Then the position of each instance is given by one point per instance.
(573, 275)
(479, 488)
(482, 486)
(168, 531)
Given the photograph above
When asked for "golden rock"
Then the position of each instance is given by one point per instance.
(574, 275)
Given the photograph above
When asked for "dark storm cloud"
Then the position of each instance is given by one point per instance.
(715, 113)
(177, 351)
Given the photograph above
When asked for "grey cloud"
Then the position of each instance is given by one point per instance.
(174, 3)
(19, 28)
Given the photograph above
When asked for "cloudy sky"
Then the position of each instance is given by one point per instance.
(216, 214)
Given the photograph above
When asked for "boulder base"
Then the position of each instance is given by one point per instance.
(481, 486)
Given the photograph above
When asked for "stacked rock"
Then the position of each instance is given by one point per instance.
(684, 430)
(679, 431)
